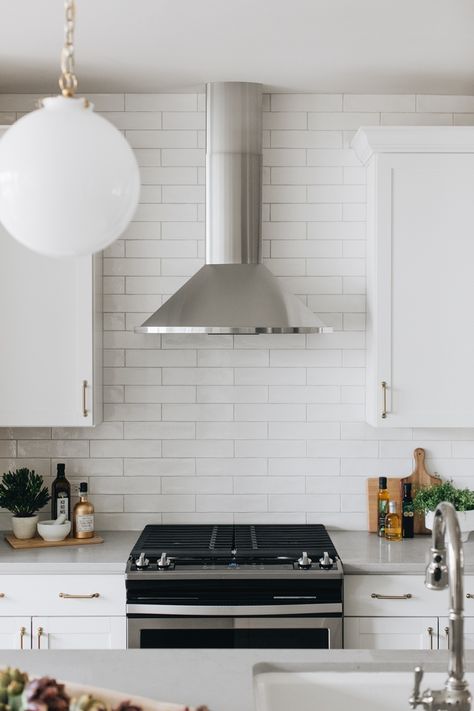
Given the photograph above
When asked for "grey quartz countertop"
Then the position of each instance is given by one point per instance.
(220, 678)
(108, 557)
(361, 553)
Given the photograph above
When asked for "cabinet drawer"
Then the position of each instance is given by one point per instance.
(361, 596)
(62, 595)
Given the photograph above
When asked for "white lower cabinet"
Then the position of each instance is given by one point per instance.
(62, 612)
(78, 633)
(444, 633)
(391, 633)
(15, 633)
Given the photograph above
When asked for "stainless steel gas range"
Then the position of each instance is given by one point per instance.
(224, 586)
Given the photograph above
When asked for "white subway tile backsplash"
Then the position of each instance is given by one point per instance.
(267, 428)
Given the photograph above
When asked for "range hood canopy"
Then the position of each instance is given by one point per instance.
(234, 292)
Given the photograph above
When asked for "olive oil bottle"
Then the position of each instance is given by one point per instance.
(408, 513)
(83, 516)
(383, 499)
(61, 494)
(393, 525)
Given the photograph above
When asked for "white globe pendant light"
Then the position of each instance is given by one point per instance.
(69, 181)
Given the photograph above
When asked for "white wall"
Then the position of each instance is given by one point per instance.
(250, 428)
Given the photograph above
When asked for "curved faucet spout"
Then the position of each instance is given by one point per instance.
(443, 571)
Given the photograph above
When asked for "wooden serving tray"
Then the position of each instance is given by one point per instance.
(38, 542)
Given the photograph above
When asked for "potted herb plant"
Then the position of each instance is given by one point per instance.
(427, 499)
(23, 493)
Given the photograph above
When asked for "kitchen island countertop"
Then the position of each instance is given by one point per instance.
(362, 553)
(220, 678)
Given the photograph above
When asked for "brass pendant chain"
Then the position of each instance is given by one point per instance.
(68, 79)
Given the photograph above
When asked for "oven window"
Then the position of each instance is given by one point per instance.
(210, 638)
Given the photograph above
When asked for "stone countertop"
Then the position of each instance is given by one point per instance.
(220, 678)
(361, 553)
(108, 557)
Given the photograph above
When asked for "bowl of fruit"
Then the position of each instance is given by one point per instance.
(20, 693)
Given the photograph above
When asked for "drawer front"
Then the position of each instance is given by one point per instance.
(392, 596)
(62, 595)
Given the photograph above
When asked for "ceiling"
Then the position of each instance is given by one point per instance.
(359, 46)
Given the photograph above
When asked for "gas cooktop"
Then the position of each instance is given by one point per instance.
(202, 549)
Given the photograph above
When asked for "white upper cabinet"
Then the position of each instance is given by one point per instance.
(420, 329)
(50, 343)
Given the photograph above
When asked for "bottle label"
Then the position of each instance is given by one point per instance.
(85, 523)
(62, 504)
(383, 511)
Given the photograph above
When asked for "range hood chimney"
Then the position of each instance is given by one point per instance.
(234, 292)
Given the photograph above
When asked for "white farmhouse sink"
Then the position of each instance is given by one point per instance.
(340, 691)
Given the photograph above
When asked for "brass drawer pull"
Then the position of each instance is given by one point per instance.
(384, 391)
(22, 634)
(376, 596)
(470, 596)
(85, 411)
(67, 596)
(430, 634)
(2, 594)
(446, 631)
(39, 634)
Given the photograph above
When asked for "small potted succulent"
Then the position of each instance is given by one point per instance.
(23, 493)
(427, 499)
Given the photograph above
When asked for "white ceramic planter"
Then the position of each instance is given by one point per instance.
(24, 528)
(465, 518)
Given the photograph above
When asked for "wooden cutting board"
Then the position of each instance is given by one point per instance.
(38, 542)
(418, 478)
(394, 487)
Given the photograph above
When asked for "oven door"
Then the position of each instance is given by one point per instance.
(215, 630)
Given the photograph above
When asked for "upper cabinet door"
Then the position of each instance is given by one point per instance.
(420, 276)
(51, 338)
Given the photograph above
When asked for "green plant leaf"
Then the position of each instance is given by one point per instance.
(428, 497)
(23, 493)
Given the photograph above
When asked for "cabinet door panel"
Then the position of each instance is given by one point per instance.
(79, 632)
(15, 633)
(420, 290)
(391, 633)
(468, 632)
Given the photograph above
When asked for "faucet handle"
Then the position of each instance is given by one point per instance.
(415, 698)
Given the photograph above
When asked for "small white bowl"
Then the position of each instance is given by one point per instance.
(52, 531)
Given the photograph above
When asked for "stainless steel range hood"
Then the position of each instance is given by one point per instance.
(234, 292)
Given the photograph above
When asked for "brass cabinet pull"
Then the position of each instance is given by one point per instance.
(470, 596)
(39, 634)
(446, 631)
(2, 594)
(85, 411)
(384, 391)
(67, 596)
(430, 634)
(22, 634)
(406, 596)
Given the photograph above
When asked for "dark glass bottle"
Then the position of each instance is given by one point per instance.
(382, 505)
(61, 494)
(408, 513)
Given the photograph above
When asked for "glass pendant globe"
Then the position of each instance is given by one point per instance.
(69, 181)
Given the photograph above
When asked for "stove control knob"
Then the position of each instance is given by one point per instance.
(142, 561)
(326, 562)
(305, 561)
(164, 561)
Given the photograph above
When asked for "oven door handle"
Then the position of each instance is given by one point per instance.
(234, 610)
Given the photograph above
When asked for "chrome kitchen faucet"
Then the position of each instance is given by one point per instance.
(439, 575)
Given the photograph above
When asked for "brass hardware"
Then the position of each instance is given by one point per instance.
(39, 634)
(2, 594)
(68, 79)
(376, 596)
(85, 411)
(470, 596)
(22, 634)
(67, 596)
(446, 631)
(384, 391)
(430, 633)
